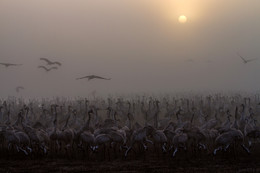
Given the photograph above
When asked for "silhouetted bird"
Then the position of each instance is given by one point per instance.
(48, 69)
(19, 88)
(50, 62)
(244, 60)
(8, 64)
(93, 77)
(208, 61)
(190, 60)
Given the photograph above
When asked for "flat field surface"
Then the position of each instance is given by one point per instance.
(151, 163)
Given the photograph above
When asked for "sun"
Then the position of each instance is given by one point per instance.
(183, 19)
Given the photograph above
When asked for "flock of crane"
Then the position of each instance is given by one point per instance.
(50, 65)
(168, 126)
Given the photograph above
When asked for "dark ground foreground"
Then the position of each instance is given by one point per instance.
(206, 164)
(230, 161)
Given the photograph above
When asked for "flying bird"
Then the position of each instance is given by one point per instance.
(190, 60)
(8, 64)
(244, 60)
(47, 69)
(93, 77)
(19, 88)
(50, 62)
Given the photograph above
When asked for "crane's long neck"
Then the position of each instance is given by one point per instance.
(89, 118)
(55, 118)
(109, 110)
(192, 118)
(61, 111)
(242, 113)
(109, 102)
(167, 106)
(19, 117)
(129, 121)
(5, 107)
(1, 115)
(177, 116)
(115, 113)
(80, 106)
(67, 121)
(236, 114)
(149, 106)
(86, 109)
(96, 116)
(134, 108)
(26, 115)
(188, 104)
(8, 116)
(129, 107)
(216, 115)
(142, 108)
(228, 117)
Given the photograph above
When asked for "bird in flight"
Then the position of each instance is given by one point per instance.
(50, 62)
(47, 69)
(93, 77)
(19, 88)
(246, 60)
(8, 64)
(190, 60)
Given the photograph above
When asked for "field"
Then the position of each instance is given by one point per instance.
(221, 163)
(219, 135)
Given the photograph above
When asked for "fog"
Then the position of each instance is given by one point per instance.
(138, 43)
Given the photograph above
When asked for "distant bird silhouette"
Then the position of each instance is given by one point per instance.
(8, 64)
(19, 88)
(50, 62)
(190, 60)
(93, 77)
(208, 61)
(244, 60)
(47, 69)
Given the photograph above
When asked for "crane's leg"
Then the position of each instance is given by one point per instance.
(217, 149)
(175, 151)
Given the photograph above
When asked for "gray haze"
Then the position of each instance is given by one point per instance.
(138, 43)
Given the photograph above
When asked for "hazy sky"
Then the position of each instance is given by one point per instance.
(138, 43)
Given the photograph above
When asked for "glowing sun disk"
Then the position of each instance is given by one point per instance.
(182, 19)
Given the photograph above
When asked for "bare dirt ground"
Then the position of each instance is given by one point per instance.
(151, 163)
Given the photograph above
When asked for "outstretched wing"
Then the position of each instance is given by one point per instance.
(14, 64)
(43, 67)
(251, 59)
(53, 68)
(94, 77)
(3, 64)
(242, 58)
(58, 63)
(46, 60)
(82, 77)
(19, 88)
(9, 64)
(99, 77)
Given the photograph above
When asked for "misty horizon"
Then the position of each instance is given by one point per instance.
(139, 44)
